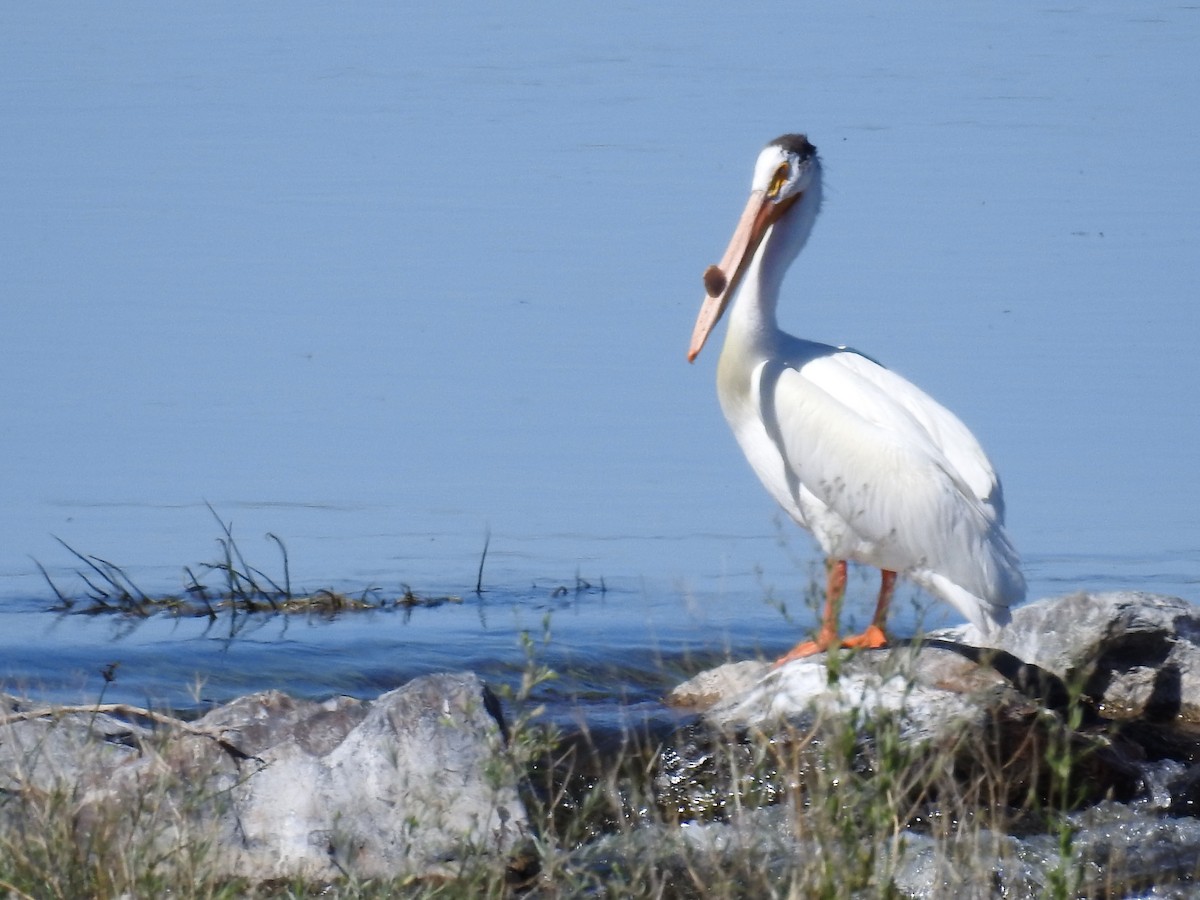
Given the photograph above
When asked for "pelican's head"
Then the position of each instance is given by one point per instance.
(786, 168)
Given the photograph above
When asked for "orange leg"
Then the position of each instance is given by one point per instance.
(827, 636)
(874, 636)
(835, 589)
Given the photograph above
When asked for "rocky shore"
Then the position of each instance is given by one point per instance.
(1062, 759)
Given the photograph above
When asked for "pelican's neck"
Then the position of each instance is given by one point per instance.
(753, 315)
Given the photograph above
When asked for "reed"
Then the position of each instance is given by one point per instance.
(240, 588)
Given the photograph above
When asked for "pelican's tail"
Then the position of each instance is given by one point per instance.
(988, 615)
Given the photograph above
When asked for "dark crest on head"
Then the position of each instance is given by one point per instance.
(797, 144)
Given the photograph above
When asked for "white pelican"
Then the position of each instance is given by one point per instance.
(880, 472)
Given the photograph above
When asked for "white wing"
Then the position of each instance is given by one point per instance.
(899, 482)
(884, 397)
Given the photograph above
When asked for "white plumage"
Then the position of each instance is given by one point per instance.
(880, 472)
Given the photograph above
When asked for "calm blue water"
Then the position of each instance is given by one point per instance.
(382, 280)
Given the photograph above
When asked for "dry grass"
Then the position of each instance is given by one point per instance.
(830, 811)
(843, 807)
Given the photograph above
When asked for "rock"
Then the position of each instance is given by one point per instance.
(931, 690)
(1119, 852)
(751, 855)
(257, 722)
(1089, 659)
(944, 766)
(36, 755)
(1184, 793)
(765, 852)
(418, 783)
(1136, 654)
(406, 785)
(707, 688)
(1128, 655)
(1112, 852)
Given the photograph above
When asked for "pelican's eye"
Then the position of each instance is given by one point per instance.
(778, 180)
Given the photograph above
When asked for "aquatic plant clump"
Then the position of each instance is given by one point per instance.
(239, 588)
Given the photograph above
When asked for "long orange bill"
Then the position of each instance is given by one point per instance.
(721, 281)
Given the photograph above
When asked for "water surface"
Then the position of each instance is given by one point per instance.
(383, 281)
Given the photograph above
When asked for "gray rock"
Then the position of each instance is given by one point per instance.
(1112, 852)
(1137, 654)
(931, 690)
(1064, 671)
(712, 685)
(753, 854)
(408, 784)
(38, 754)
(256, 722)
(1127, 655)
(418, 783)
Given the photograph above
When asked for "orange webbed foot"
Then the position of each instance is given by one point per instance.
(824, 640)
(871, 639)
(801, 650)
